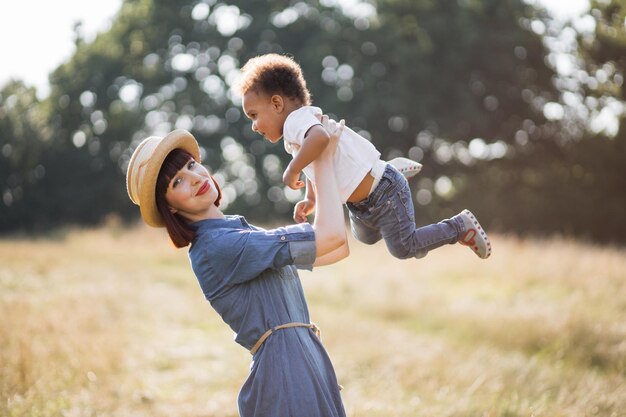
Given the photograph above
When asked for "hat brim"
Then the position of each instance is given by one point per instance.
(177, 139)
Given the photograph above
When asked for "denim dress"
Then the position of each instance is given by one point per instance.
(249, 276)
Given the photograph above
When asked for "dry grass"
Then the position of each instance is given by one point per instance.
(110, 322)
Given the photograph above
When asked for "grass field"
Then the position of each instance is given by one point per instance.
(111, 322)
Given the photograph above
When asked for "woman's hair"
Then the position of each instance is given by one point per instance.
(179, 230)
(274, 74)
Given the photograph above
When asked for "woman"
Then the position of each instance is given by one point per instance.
(249, 274)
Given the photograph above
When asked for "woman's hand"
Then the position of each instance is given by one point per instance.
(334, 130)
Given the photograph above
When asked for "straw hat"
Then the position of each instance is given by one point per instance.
(144, 168)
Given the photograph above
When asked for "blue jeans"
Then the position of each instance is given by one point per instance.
(388, 214)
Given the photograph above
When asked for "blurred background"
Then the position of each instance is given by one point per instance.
(514, 107)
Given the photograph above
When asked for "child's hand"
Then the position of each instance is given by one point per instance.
(302, 210)
(292, 179)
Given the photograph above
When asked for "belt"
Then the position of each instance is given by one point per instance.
(268, 333)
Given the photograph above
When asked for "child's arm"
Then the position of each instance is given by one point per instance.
(305, 207)
(315, 141)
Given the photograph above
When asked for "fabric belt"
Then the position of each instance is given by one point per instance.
(268, 333)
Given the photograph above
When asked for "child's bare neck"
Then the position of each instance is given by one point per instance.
(292, 105)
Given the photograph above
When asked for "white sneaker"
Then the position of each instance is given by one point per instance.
(406, 166)
(474, 237)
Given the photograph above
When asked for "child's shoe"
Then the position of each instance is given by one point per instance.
(407, 167)
(474, 237)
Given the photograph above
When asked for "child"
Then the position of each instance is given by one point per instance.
(275, 98)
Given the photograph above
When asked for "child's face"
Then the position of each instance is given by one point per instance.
(266, 113)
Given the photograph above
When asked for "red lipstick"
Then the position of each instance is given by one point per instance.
(203, 188)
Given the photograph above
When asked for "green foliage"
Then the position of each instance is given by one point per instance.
(559, 182)
(576, 190)
(25, 138)
(421, 78)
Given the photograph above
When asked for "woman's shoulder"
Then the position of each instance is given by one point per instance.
(209, 230)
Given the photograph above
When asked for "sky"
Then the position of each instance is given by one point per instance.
(45, 30)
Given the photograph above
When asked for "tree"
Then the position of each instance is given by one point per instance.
(462, 86)
(572, 181)
(25, 138)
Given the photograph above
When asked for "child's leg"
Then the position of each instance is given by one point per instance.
(406, 167)
(361, 231)
(403, 238)
(389, 212)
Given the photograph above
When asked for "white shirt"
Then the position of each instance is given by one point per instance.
(354, 158)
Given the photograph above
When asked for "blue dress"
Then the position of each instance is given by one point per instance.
(249, 276)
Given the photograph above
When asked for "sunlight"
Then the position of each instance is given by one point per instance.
(51, 29)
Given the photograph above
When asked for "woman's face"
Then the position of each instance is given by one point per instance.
(191, 192)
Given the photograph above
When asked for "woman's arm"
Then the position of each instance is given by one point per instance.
(335, 256)
(329, 225)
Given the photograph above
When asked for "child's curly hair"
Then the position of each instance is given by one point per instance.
(274, 74)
